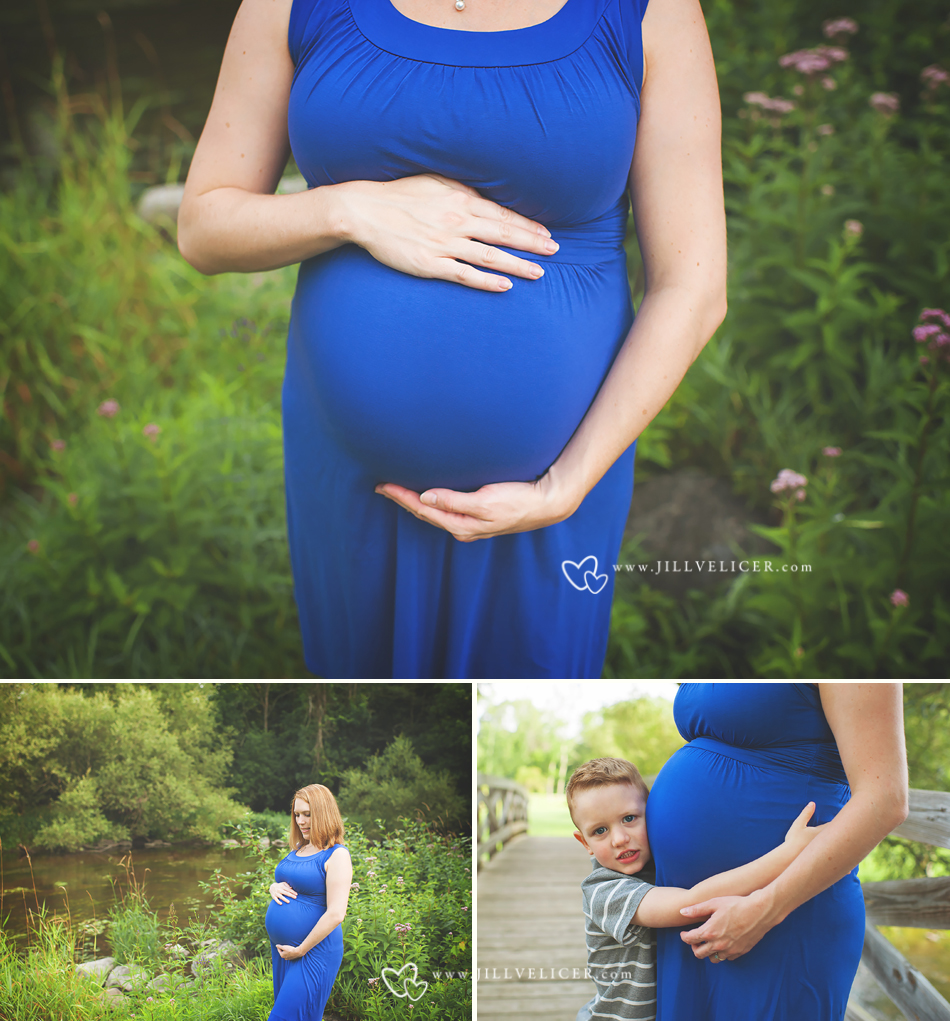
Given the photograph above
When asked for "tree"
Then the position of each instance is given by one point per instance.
(397, 783)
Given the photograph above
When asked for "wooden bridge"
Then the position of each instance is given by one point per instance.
(530, 940)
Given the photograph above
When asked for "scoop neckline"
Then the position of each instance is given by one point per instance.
(315, 853)
(389, 29)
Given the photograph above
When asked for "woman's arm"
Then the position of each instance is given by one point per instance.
(661, 907)
(339, 878)
(867, 721)
(230, 219)
(676, 186)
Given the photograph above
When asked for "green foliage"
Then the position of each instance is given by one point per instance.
(139, 765)
(641, 730)
(833, 255)
(397, 784)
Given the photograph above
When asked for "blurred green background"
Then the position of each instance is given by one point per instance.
(147, 538)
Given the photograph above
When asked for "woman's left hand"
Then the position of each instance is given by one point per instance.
(289, 953)
(734, 927)
(499, 508)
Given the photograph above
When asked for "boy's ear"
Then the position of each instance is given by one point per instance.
(578, 837)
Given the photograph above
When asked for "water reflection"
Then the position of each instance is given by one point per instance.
(88, 884)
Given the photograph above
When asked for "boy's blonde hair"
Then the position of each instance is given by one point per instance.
(603, 773)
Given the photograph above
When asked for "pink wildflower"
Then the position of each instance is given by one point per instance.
(839, 26)
(108, 409)
(924, 360)
(887, 103)
(854, 227)
(827, 189)
(933, 77)
(787, 479)
(936, 313)
(828, 83)
(831, 451)
(899, 598)
(799, 495)
(465, 909)
(921, 333)
(58, 444)
(72, 499)
(33, 545)
(151, 431)
(825, 129)
(372, 981)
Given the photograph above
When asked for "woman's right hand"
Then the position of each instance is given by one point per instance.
(282, 892)
(422, 225)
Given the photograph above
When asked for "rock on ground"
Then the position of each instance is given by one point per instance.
(127, 977)
(688, 515)
(98, 970)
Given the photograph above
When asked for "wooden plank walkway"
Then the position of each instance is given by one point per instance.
(532, 955)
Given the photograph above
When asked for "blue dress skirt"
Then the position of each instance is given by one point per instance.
(427, 383)
(757, 754)
(301, 987)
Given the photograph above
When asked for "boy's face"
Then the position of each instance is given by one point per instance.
(610, 824)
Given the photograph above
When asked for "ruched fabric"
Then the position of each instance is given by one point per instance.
(302, 987)
(757, 754)
(427, 383)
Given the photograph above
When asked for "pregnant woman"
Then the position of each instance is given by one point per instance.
(309, 902)
(465, 382)
(756, 752)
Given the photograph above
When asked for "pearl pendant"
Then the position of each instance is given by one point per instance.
(460, 5)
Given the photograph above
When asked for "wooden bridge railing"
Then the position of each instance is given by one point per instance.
(502, 813)
(919, 903)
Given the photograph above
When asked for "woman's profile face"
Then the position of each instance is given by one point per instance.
(302, 815)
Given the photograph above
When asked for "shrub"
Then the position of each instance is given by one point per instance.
(393, 785)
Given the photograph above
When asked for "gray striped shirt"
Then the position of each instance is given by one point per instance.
(621, 957)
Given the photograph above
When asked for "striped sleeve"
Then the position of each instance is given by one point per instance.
(612, 901)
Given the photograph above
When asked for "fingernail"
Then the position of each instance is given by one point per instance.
(551, 246)
(428, 498)
(544, 231)
(505, 285)
(537, 271)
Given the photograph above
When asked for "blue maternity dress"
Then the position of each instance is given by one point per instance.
(301, 987)
(427, 383)
(757, 754)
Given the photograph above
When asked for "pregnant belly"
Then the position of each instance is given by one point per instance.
(708, 813)
(289, 924)
(428, 383)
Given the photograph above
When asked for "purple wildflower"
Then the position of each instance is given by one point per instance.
(936, 313)
(921, 333)
(887, 103)
(899, 598)
(151, 431)
(828, 83)
(854, 227)
(786, 479)
(33, 545)
(58, 444)
(108, 409)
(839, 26)
(933, 77)
(831, 451)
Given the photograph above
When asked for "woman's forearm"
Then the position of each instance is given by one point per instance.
(846, 841)
(672, 326)
(328, 922)
(233, 230)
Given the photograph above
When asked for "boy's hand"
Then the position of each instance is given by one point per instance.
(800, 834)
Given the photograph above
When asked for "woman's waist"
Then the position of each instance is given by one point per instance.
(820, 762)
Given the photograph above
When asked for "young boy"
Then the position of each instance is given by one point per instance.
(607, 799)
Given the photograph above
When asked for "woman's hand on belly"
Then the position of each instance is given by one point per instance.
(289, 953)
(735, 926)
(497, 509)
(423, 225)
